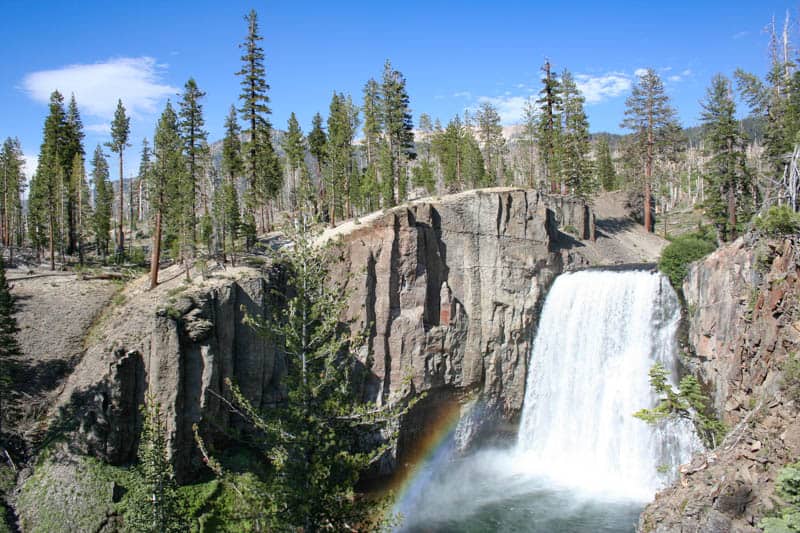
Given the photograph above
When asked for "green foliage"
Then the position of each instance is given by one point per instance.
(779, 220)
(683, 250)
(191, 126)
(492, 143)
(791, 378)
(788, 485)
(103, 200)
(549, 126)
(261, 164)
(687, 402)
(576, 168)
(728, 181)
(9, 346)
(312, 439)
(153, 505)
(605, 171)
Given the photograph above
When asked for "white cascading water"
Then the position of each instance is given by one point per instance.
(599, 334)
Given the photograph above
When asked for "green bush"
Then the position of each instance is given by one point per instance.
(789, 490)
(683, 250)
(779, 220)
(791, 378)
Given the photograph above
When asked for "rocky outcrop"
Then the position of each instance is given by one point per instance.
(177, 344)
(744, 323)
(449, 292)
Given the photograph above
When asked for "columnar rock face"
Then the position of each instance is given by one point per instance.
(449, 292)
(179, 350)
(743, 305)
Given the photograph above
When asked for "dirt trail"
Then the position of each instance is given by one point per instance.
(620, 239)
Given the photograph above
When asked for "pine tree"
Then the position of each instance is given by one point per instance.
(398, 129)
(81, 211)
(294, 144)
(549, 135)
(194, 137)
(262, 166)
(317, 139)
(9, 346)
(492, 143)
(103, 201)
(576, 168)
(727, 178)
(373, 144)
(120, 130)
(651, 119)
(12, 183)
(145, 168)
(154, 503)
(166, 184)
(338, 156)
(48, 194)
(529, 136)
(311, 438)
(605, 171)
(72, 188)
(227, 203)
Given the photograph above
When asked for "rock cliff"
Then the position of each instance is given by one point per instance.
(743, 325)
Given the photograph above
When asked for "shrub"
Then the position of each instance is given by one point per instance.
(779, 220)
(789, 490)
(683, 250)
(791, 378)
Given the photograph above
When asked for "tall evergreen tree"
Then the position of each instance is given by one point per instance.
(373, 141)
(398, 129)
(575, 165)
(492, 143)
(294, 144)
(145, 168)
(12, 183)
(52, 171)
(120, 131)
(166, 183)
(727, 177)
(9, 346)
(72, 188)
(262, 166)
(317, 139)
(338, 155)
(227, 200)
(651, 119)
(604, 165)
(529, 136)
(81, 211)
(549, 138)
(195, 138)
(103, 201)
(312, 436)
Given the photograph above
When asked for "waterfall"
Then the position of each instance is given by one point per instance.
(599, 334)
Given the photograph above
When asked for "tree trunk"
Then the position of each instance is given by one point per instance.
(121, 239)
(156, 257)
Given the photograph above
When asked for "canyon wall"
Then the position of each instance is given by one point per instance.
(743, 324)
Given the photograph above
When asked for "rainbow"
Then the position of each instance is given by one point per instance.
(421, 456)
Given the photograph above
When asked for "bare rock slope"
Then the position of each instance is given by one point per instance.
(744, 323)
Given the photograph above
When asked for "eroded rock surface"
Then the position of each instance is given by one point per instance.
(744, 322)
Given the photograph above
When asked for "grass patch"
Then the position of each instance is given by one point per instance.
(779, 220)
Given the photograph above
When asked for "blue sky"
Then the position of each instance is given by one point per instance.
(453, 54)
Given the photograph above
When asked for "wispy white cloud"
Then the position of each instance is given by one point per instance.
(462, 94)
(598, 88)
(103, 127)
(509, 107)
(740, 35)
(639, 72)
(137, 81)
